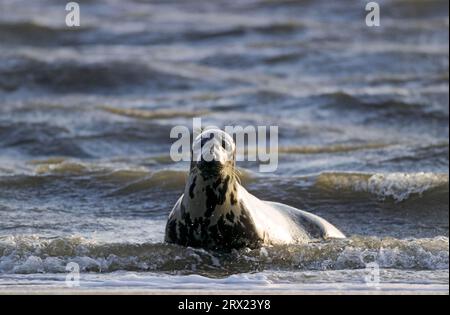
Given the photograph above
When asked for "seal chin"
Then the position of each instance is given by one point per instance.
(212, 168)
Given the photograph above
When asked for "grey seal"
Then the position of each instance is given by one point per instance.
(217, 212)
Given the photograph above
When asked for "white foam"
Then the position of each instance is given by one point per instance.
(398, 186)
(29, 255)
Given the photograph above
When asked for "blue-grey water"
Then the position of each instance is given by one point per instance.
(86, 114)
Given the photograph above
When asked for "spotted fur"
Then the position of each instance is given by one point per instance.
(209, 215)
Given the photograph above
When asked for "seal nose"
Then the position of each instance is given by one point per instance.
(213, 153)
(212, 147)
(210, 163)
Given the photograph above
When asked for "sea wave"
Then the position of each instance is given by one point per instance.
(65, 166)
(32, 254)
(77, 75)
(152, 114)
(154, 172)
(129, 179)
(381, 109)
(398, 186)
(143, 33)
(338, 148)
(137, 176)
(39, 33)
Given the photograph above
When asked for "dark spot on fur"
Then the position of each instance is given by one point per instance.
(230, 216)
(233, 199)
(217, 183)
(312, 229)
(241, 206)
(211, 201)
(182, 208)
(215, 197)
(223, 191)
(192, 187)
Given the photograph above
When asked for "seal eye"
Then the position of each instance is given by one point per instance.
(224, 144)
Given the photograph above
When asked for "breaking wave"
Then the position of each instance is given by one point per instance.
(24, 255)
(330, 149)
(398, 186)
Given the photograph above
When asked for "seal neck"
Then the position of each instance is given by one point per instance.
(210, 196)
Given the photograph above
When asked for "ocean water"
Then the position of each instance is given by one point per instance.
(85, 120)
